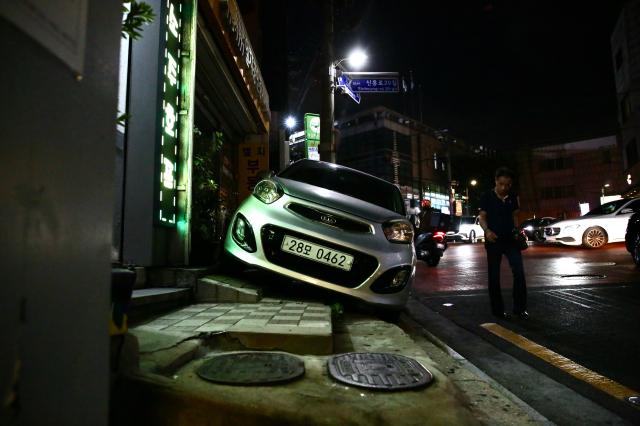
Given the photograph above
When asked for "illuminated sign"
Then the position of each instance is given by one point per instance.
(312, 135)
(167, 190)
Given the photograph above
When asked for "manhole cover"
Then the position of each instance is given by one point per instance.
(585, 276)
(251, 368)
(379, 371)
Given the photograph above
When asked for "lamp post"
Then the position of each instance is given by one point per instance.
(285, 150)
(473, 182)
(357, 58)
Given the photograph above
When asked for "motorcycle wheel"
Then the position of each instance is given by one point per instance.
(433, 260)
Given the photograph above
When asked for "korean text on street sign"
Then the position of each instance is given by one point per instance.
(383, 84)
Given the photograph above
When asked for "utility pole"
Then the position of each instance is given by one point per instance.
(327, 145)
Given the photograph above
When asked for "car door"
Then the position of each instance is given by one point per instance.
(621, 219)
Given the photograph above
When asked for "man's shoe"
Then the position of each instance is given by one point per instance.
(523, 314)
(502, 315)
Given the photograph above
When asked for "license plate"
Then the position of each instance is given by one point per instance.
(317, 253)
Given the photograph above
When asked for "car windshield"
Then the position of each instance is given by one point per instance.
(346, 181)
(467, 220)
(607, 208)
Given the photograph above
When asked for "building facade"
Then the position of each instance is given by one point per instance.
(195, 140)
(556, 179)
(420, 160)
(625, 48)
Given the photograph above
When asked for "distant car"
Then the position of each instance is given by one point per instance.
(329, 226)
(534, 228)
(470, 230)
(604, 224)
(632, 237)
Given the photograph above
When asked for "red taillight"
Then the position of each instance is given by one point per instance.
(438, 236)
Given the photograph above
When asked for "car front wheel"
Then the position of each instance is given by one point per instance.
(635, 253)
(472, 237)
(594, 237)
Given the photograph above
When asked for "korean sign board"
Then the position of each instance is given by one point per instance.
(384, 82)
(253, 161)
(170, 107)
(312, 135)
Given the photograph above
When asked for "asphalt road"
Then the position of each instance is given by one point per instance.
(585, 311)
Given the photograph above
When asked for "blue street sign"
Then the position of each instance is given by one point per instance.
(344, 82)
(380, 84)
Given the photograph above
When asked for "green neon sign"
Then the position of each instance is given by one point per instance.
(170, 108)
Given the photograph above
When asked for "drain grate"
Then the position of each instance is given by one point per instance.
(251, 368)
(380, 371)
(584, 276)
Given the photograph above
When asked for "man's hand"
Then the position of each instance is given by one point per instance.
(490, 236)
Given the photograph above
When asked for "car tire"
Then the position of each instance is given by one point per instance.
(433, 260)
(472, 237)
(537, 236)
(594, 237)
(635, 251)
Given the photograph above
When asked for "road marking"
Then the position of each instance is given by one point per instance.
(570, 296)
(567, 299)
(605, 384)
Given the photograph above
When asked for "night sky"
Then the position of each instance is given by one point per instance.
(499, 73)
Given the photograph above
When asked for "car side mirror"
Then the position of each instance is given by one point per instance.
(626, 211)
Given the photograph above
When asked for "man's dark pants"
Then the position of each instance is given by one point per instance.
(494, 258)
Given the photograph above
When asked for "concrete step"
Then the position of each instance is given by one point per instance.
(226, 289)
(147, 302)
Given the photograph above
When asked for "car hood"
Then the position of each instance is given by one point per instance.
(577, 221)
(336, 200)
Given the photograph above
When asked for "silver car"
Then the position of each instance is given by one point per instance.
(329, 226)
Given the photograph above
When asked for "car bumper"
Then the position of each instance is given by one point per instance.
(562, 239)
(270, 222)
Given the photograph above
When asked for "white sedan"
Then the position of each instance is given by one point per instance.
(604, 224)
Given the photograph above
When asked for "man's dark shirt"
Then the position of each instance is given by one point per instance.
(499, 213)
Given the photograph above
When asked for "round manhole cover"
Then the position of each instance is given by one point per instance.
(584, 276)
(251, 368)
(378, 371)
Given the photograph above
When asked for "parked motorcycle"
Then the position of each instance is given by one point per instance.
(430, 247)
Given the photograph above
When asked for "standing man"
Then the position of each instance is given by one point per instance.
(498, 217)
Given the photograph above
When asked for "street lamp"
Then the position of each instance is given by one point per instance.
(356, 59)
(473, 182)
(290, 122)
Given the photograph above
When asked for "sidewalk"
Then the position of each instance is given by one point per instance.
(160, 384)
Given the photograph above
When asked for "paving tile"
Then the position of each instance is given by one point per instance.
(314, 324)
(221, 320)
(315, 317)
(209, 327)
(177, 316)
(283, 322)
(207, 314)
(250, 322)
(259, 316)
(286, 317)
(193, 322)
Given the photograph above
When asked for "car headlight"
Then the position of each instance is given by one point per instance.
(528, 228)
(267, 191)
(570, 228)
(398, 231)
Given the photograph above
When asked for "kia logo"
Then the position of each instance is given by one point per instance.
(329, 220)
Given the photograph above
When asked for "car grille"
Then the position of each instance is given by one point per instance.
(363, 264)
(551, 231)
(329, 218)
